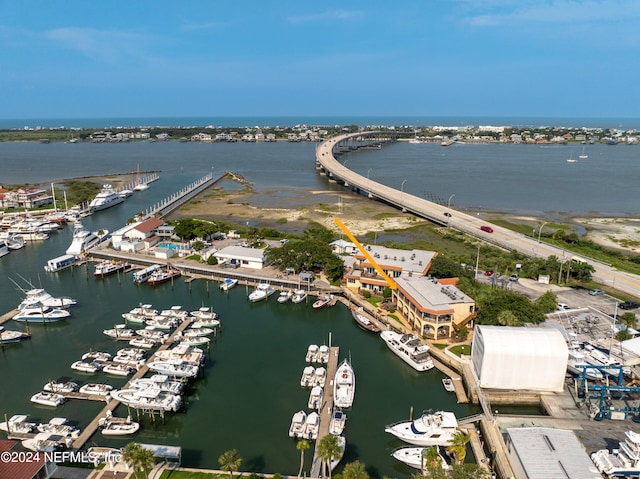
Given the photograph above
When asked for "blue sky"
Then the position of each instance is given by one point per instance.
(542, 58)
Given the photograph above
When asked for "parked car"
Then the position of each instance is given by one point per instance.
(447, 214)
(596, 292)
(486, 229)
(514, 277)
(488, 272)
(628, 305)
(563, 307)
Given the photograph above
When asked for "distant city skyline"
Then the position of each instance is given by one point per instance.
(478, 58)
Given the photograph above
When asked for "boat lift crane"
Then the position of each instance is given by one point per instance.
(392, 284)
(604, 410)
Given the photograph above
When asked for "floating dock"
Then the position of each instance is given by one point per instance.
(326, 410)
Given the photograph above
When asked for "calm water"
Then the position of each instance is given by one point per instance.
(250, 389)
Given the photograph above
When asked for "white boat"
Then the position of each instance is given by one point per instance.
(298, 424)
(595, 357)
(14, 242)
(120, 331)
(11, 336)
(17, 424)
(117, 426)
(125, 193)
(149, 398)
(61, 262)
(99, 356)
(143, 310)
(164, 323)
(87, 366)
(175, 312)
(315, 398)
(577, 364)
(583, 155)
(409, 348)
(204, 314)
(106, 268)
(571, 159)
(430, 429)
(174, 367)
(228, 283)
(323, 301)
(160, 381)
(62, 385)
(38, 297)
(141, 342)
(205, 323)
(623, 461)
(344, 385)
(43, 314)
(448, 385)
(299, 295)
(192, 340)
(163, 275)
(197, 332)
(335, 460)
(307, 377)
(323, 354)
(312, 353)
(94, 389)
(150, 333)
(364, 321)
(60, 427)
(105, 199)
(48, 399)
(4, 248)
(413, 457)
(44, 442)
(338, 422)
(284, 296)
(143, 275)
(263, 291)
(311, 426)
(83, 240)
(118, 369)
(140, 185)
(319, 377)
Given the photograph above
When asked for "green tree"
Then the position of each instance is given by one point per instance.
(354, 470)
(490, 306)
(140, 459)
(328, 449)
(629, 320)
(198, 245)
(507, 317)
(302, 445)
(458, 447)
(431, 458)
(547, 302)
(230, 461)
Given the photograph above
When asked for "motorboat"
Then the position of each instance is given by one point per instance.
(117, 426)
(319, 377)
(298, 424)
(145, 310)
(263, 291)
(197, 332)
(299, 295)
(323, 301)
(315, 398)
(409, 348)
(125, 193)
(338, 422)
(99, 356)
(106, 198)
(175, 312)
(96, 389)
(192, 340)
(335, 460)
(87, 366)
(163, 275)
(38, 297)
(143, 275)
(307, 377)
(161, 381)
(182, 353)
(43, 314)
(14, 242)
(285, 296)
(228, 283)
(83, 240)
(577, 364)
(623, 461)
(45, 442)
(118, 369)
(45, 398)
(174, 367)
(59, 263)
(312, 353)
(205, 323)
(414, 457)
(61, 385)
(60, 427)
(204, 314)
(4, 248)
(311, 426)
(120, 331)
(141, 342)
(106, 268)
(323, 354)
(17, 424)
(344, 385)
(430, 429)
(151, 333)
(448, 385)
(364, 321)
(164, 323)
(12, 336)
(607, 364)
(148, 398)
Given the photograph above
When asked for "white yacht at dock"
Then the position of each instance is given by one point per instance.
(344, 385)
(105, 199)
(624, 461)
(409, 348)
(430, 429)
(84, 240)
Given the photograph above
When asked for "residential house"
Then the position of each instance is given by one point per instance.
(25, 198)
(241, 256)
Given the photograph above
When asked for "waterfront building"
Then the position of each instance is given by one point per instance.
(241, 256)
(139, 236)
(34, 468)
(433, 308)
(342, 247)
(25, 198)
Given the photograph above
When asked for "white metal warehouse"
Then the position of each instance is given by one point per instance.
(519, 358)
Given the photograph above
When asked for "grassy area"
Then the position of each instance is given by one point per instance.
(461, 349)
(172, 474)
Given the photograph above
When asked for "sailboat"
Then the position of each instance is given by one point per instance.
(583, 155)
(571, 160)
(139, 186)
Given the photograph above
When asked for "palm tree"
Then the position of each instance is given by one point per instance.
(302, 445)
(354, 470)
(328, 449)
(230, 461)
(458, 447)
(139, 458)
(430, 457)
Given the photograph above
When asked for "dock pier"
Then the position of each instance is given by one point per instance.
(326, 410)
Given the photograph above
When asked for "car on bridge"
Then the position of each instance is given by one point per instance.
(486, 229)
(447, 214)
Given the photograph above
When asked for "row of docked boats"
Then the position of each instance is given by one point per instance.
(264, 290)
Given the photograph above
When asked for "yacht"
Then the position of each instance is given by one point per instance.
(409, 348)
(42, 314)
(577, 364)
(414, 457)
(596, 357)
(117, 426)
(10, 336)
(323, 301)
(148, 398)
(430, 429)
(344, 385)
(161, 381)
(263, 291)
(228, 283)
(624, 461)
(315, 398)
(83, 240)
(105, 268)
(174, 367)
(37, 297)
(299, 295)
(60, 427)
(45, 442)
(163, 275)
(105, 199)
(17, 424)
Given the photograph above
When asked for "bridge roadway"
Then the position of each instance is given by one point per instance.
(469, 224)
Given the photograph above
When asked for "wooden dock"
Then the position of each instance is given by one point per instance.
(327, 408)
(92, 427)
(7, 316)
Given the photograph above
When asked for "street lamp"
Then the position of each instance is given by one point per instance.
(540, 230)
(368, 171)
(449, 200)
(402, 186)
